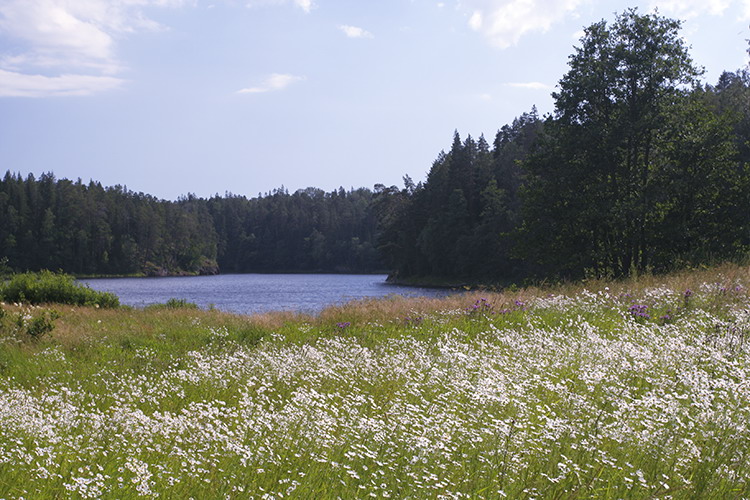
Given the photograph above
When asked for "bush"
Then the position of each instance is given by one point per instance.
(5, 269)
(174, 304)
(27, 324)
(47, 287)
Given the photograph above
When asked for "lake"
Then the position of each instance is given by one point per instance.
(256, 293)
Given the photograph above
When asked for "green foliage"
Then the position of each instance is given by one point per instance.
(5, 269)
(37, 326)
(598, 179)
(174, 304)
(94, 231)
(639, 169)
(306, 231)
(47, 287)
(457, 225)
(28, 324)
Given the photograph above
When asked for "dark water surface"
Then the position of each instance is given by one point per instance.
(253, 293)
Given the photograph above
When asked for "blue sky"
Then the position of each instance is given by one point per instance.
(171, 97)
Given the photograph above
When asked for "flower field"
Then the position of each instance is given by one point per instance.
(638, 391)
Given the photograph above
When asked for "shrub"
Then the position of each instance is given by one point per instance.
(27, 324)
(174, 304)
(5, 269)
(47, 287)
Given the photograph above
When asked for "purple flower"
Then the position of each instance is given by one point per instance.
(639, 311)
(413, 321)
(480, 305)
(343, 325)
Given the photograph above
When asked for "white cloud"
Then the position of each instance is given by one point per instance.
(475, 21)
(504, 22)
(531, 85)
(52, 29)
(355, 32)
(276, 81)
(22, 85)
(306, 5)
(687, 9)
(74, 41)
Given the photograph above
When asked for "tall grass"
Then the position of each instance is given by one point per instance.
(635, 389)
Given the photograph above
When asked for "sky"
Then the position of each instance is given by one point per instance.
(170, 97)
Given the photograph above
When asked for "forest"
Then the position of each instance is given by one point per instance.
(640, 168)
(87, 229)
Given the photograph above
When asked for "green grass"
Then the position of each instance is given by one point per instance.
(564, 393)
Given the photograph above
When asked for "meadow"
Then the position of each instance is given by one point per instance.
(631, 389)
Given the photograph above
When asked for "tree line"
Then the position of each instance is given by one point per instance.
(640, 168)
(87, 229)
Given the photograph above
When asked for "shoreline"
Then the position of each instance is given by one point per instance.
(189, 275)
